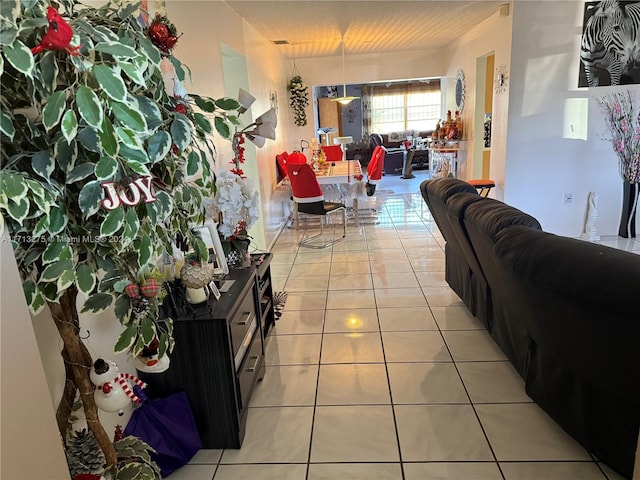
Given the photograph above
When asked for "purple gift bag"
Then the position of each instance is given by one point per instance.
(167, 425)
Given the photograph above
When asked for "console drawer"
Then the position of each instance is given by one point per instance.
(240, 325)
(249, 369)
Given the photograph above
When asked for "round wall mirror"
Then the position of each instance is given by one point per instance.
(460, 86)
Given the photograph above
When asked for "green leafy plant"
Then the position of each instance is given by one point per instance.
(134, 461)
(69, 126)
(298, 100)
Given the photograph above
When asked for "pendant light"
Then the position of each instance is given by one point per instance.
(344, 99)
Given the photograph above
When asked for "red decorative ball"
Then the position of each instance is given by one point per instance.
(149, 288)
(170, 42)
(158, 33)
(180, 108)
(132, 290)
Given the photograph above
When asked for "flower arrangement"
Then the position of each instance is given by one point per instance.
(623, 122)
(235, 205)
(298, 100)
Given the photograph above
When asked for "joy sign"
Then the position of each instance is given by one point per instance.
(132, 194)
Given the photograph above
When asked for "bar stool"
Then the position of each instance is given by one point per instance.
(483, 185)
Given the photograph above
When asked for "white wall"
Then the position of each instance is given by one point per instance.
(554, 142)
(31, 444)
(491, 36)
(205, 25)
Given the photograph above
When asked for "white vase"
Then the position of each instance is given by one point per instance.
(197, 295)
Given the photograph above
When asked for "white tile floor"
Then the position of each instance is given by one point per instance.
(377, 371)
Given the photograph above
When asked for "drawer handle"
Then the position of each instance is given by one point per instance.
(248, 318)
(255, 364)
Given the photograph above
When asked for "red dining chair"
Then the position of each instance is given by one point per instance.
(374, 170)
(333, 153)
(309, 199)
(281, 160)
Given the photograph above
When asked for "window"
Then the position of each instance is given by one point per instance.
(411, 106)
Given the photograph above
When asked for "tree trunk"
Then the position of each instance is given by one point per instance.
(78, 364)
(65, 407)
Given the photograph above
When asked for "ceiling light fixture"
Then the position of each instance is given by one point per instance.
(344, 99)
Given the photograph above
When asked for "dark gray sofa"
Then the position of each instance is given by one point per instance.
(564, 311)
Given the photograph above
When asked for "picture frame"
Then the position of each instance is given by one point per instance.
(214, 290)
(208, 233)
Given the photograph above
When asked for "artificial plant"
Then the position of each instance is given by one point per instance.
(86, 117)
(298, 100)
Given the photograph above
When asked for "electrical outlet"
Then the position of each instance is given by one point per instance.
(568, 198)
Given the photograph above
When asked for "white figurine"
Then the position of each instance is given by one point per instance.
(113, 391)
(590, 232)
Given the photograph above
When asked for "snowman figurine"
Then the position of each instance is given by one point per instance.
(113, 391)
(149, 360)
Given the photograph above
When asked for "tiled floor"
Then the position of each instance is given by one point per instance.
(377, 371)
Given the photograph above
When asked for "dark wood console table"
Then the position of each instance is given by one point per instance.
(219, 357)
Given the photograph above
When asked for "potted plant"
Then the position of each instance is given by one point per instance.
(236, 209)
(104, 162)
(623, 122)
(298, 100)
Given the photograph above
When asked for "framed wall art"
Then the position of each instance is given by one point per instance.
(609, 51)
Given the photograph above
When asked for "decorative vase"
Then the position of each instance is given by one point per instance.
(196, 295)
(629, 206)
(195, 277)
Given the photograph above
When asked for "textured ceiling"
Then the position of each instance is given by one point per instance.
(315, 28)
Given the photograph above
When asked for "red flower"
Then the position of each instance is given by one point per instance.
(180, 108)
(238, 171)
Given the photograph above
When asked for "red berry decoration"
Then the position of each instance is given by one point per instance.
(132, 290)
(180, 108)
(162, 33)
(158, 33)
(149, 288)
(170, 42)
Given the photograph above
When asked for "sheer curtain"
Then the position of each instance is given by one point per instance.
(367, 91)
(404, 106)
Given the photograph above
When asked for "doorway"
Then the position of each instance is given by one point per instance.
(485, 66)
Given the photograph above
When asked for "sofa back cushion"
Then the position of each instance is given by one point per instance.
(435, 193)
(493, 216)
(581, 272)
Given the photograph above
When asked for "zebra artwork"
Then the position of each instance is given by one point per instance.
(610, 46)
